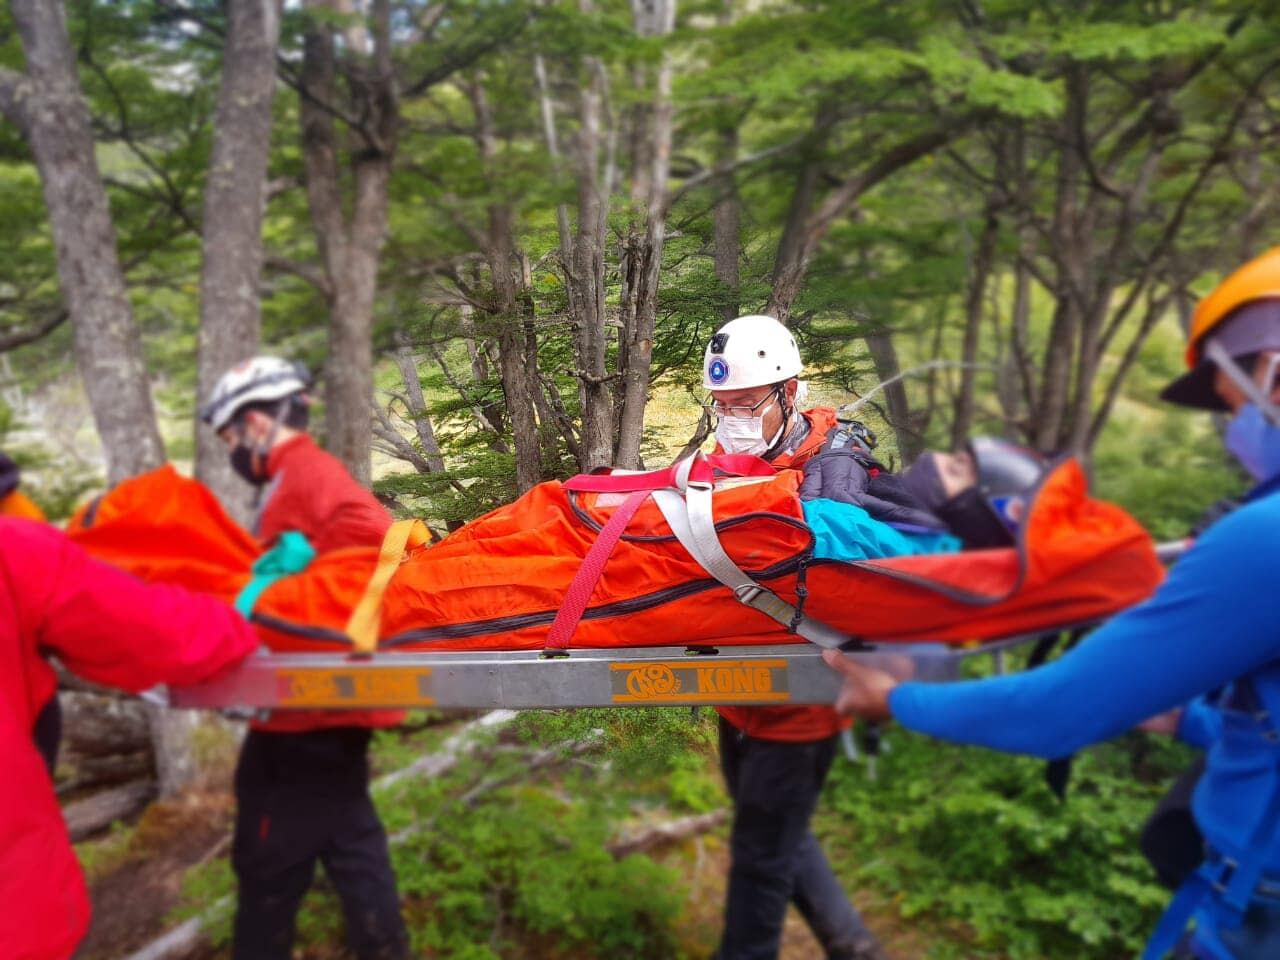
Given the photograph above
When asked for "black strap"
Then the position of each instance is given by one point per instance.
(1057, 773)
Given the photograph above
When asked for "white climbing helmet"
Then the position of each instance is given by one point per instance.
(256, 380)
(750, 351)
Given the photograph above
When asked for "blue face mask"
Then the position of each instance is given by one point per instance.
(1255, 442)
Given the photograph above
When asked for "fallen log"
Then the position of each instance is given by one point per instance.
(671, 831)
(104, 771)
(450, 752)
(93, 724)
(182, 940)
(92, 814)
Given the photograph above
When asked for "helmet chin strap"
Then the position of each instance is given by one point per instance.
(262, 450)
(781, 435)
(1227, 364)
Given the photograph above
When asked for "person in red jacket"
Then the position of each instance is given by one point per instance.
(775, 759)
(302, 782)
(107, 627)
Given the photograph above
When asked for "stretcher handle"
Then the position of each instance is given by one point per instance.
(366, 618)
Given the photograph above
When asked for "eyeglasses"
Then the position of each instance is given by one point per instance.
(740, 411)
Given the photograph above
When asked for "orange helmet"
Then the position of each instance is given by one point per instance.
(1243, 313)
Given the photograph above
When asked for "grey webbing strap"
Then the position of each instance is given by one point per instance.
(1227, 364)
(691, 520)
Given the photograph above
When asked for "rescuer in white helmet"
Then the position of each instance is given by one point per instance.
(752, 367)
(302, 781)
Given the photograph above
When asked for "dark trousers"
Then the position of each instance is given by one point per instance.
(303, 797)
(775, 859)
(47, 732)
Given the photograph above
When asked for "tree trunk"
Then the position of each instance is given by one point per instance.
(727, 218)
(787, 271)
(350, 250)
(234, 204)
(417, 405)
(885, 356)
(653, 18)
(979, 272)
(51, 111)
(517, 382)
(587, 276)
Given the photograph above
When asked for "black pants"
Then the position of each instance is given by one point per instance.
(775, 859)
(47, 732)
(303, 797)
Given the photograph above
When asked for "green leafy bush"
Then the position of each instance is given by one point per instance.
(953, 833)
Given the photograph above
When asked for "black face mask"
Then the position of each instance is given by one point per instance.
(970, 517)
(244, 462)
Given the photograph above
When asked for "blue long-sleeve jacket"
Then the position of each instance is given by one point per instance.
(1214, 621)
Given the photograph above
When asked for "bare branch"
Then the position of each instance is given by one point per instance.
(304, 271)
(17, 339)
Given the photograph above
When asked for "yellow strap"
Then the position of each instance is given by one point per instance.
(366, 618)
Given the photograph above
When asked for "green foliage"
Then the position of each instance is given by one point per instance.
(1167, 473)
(958, 834)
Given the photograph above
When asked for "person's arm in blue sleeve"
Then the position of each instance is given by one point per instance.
(1216, 618)
(1200, 724)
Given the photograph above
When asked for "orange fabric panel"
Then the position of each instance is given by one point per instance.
(18, 504)
(497, 583)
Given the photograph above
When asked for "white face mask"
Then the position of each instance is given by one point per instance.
(745, 435)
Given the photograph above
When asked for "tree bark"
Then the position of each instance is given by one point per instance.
(349, 246)
(55, 119)
(885, 357)
(787, 274)
(587, 277)
(653, 18)
(417, 406)
(980, 270)
(519, 378)
(790, 269)
(235, 202)
(727, 218)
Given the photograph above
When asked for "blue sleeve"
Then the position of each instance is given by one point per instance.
(1200, 724)
(1216, 618)
(842, 531)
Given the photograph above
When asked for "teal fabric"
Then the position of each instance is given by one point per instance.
(842, 531)
(291, 554)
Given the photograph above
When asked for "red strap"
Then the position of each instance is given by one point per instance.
(622, 482)
(588, 575)
(703, 469)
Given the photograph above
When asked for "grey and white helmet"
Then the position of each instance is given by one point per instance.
(259, 379)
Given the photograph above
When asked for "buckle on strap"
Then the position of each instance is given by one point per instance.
(1219, 872)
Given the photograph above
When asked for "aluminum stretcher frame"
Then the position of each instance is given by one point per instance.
(763, 675)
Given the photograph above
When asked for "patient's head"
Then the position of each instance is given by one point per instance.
(980, 493)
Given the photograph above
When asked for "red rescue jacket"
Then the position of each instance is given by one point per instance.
(105, 626)
(312, 492)
(793, 724)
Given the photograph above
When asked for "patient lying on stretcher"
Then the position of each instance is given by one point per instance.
(971, 499)
(498, 582)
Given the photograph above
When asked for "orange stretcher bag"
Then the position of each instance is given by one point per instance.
(500, 581)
